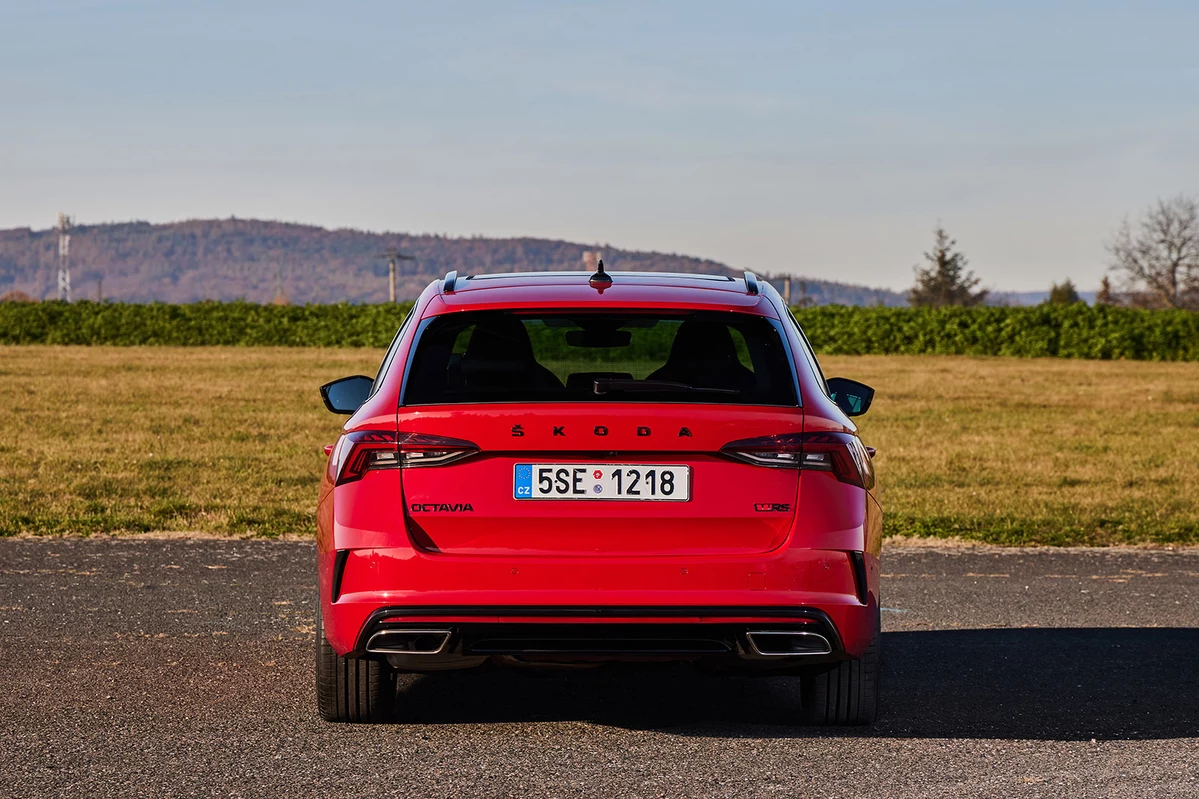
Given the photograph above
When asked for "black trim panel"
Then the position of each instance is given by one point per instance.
(858, 560)
(339, 570)
(602, 611)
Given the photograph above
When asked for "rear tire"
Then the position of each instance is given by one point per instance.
(348, 689)
(846, 694)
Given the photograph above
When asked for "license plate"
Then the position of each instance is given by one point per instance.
(663, 482)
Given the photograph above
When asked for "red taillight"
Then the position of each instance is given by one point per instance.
(365, 450)
(418, 449)
(839, 453)
(370, 450)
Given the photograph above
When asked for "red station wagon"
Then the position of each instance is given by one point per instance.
(552, 468)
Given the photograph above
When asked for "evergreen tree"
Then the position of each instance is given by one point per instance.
(1063, 294)
(945, 280)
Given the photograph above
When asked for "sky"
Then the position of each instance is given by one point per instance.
(826, 139)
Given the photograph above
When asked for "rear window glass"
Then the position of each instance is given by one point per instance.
(493, 356)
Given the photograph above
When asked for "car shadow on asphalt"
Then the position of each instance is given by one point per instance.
(1024, 683)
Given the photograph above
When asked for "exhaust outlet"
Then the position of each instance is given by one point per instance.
(408, 642)
(787, 643)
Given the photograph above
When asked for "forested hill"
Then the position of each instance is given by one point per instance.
(227, 259)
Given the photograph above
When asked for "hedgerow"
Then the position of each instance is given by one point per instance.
(1068, 331)
(200, 324)
(1064, 331)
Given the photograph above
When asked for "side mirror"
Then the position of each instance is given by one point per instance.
(852, 397)
(347, 394)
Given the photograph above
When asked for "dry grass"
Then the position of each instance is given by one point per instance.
(227, 441)
(1021, 451)
(224, 440)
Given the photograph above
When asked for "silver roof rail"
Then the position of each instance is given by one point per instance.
(751, 283)
(450, 279)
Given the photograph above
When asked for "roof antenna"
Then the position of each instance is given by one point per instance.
(600, 280)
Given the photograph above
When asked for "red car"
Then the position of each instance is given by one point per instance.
(554, 468)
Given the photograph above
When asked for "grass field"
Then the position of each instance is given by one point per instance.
(228, 441)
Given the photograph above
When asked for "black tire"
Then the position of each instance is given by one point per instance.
(355, 690)
(845, 694)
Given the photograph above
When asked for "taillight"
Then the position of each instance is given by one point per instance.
(370, 450)
(418, 449)
(839, 453)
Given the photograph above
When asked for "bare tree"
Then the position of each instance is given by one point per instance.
(945, 281)
(1158, 258)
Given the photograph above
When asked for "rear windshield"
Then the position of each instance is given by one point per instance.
(494, 356)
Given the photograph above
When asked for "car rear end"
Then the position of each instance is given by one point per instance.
(599, 478)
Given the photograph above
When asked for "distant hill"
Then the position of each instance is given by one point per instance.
(1030, 297)
(807, 291)
(227, 259)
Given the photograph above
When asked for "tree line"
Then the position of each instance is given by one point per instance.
(1154, 260)
(1154, 264)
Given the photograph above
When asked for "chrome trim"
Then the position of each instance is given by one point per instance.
(371, 646)
(749, 635)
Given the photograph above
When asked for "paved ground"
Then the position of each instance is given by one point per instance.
(150, 667)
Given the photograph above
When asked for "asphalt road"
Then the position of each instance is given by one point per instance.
(171, 667)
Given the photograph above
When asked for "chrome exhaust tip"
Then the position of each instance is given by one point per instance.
(787, 643)
(408, 642)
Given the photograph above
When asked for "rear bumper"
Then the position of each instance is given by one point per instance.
(617, 599)
(436, 638)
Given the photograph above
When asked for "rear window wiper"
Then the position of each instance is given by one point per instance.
(603, 385)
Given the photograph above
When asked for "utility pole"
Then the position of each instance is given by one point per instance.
(281, 297)
(100, 288)
(787, 290)
(393, 256)
(64, 256)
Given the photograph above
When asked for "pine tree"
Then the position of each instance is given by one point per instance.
(1063, 294)
(1105, 297)
(945, 281)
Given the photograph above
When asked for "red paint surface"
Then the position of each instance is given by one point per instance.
(714, 551)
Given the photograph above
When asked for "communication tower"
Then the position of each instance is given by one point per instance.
(65, 223)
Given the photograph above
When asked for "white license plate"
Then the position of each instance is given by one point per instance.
(666, 482)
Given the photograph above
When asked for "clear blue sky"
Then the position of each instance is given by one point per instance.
(824, 138)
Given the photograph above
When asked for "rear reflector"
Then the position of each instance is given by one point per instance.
(839, 453)
(370, 450)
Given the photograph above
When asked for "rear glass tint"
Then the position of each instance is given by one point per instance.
(492, 356)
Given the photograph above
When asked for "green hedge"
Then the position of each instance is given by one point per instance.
(1070, 331)
(204, 323)
(1065, 331)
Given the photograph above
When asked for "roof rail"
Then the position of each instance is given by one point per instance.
(751, 283)
(450, 279)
